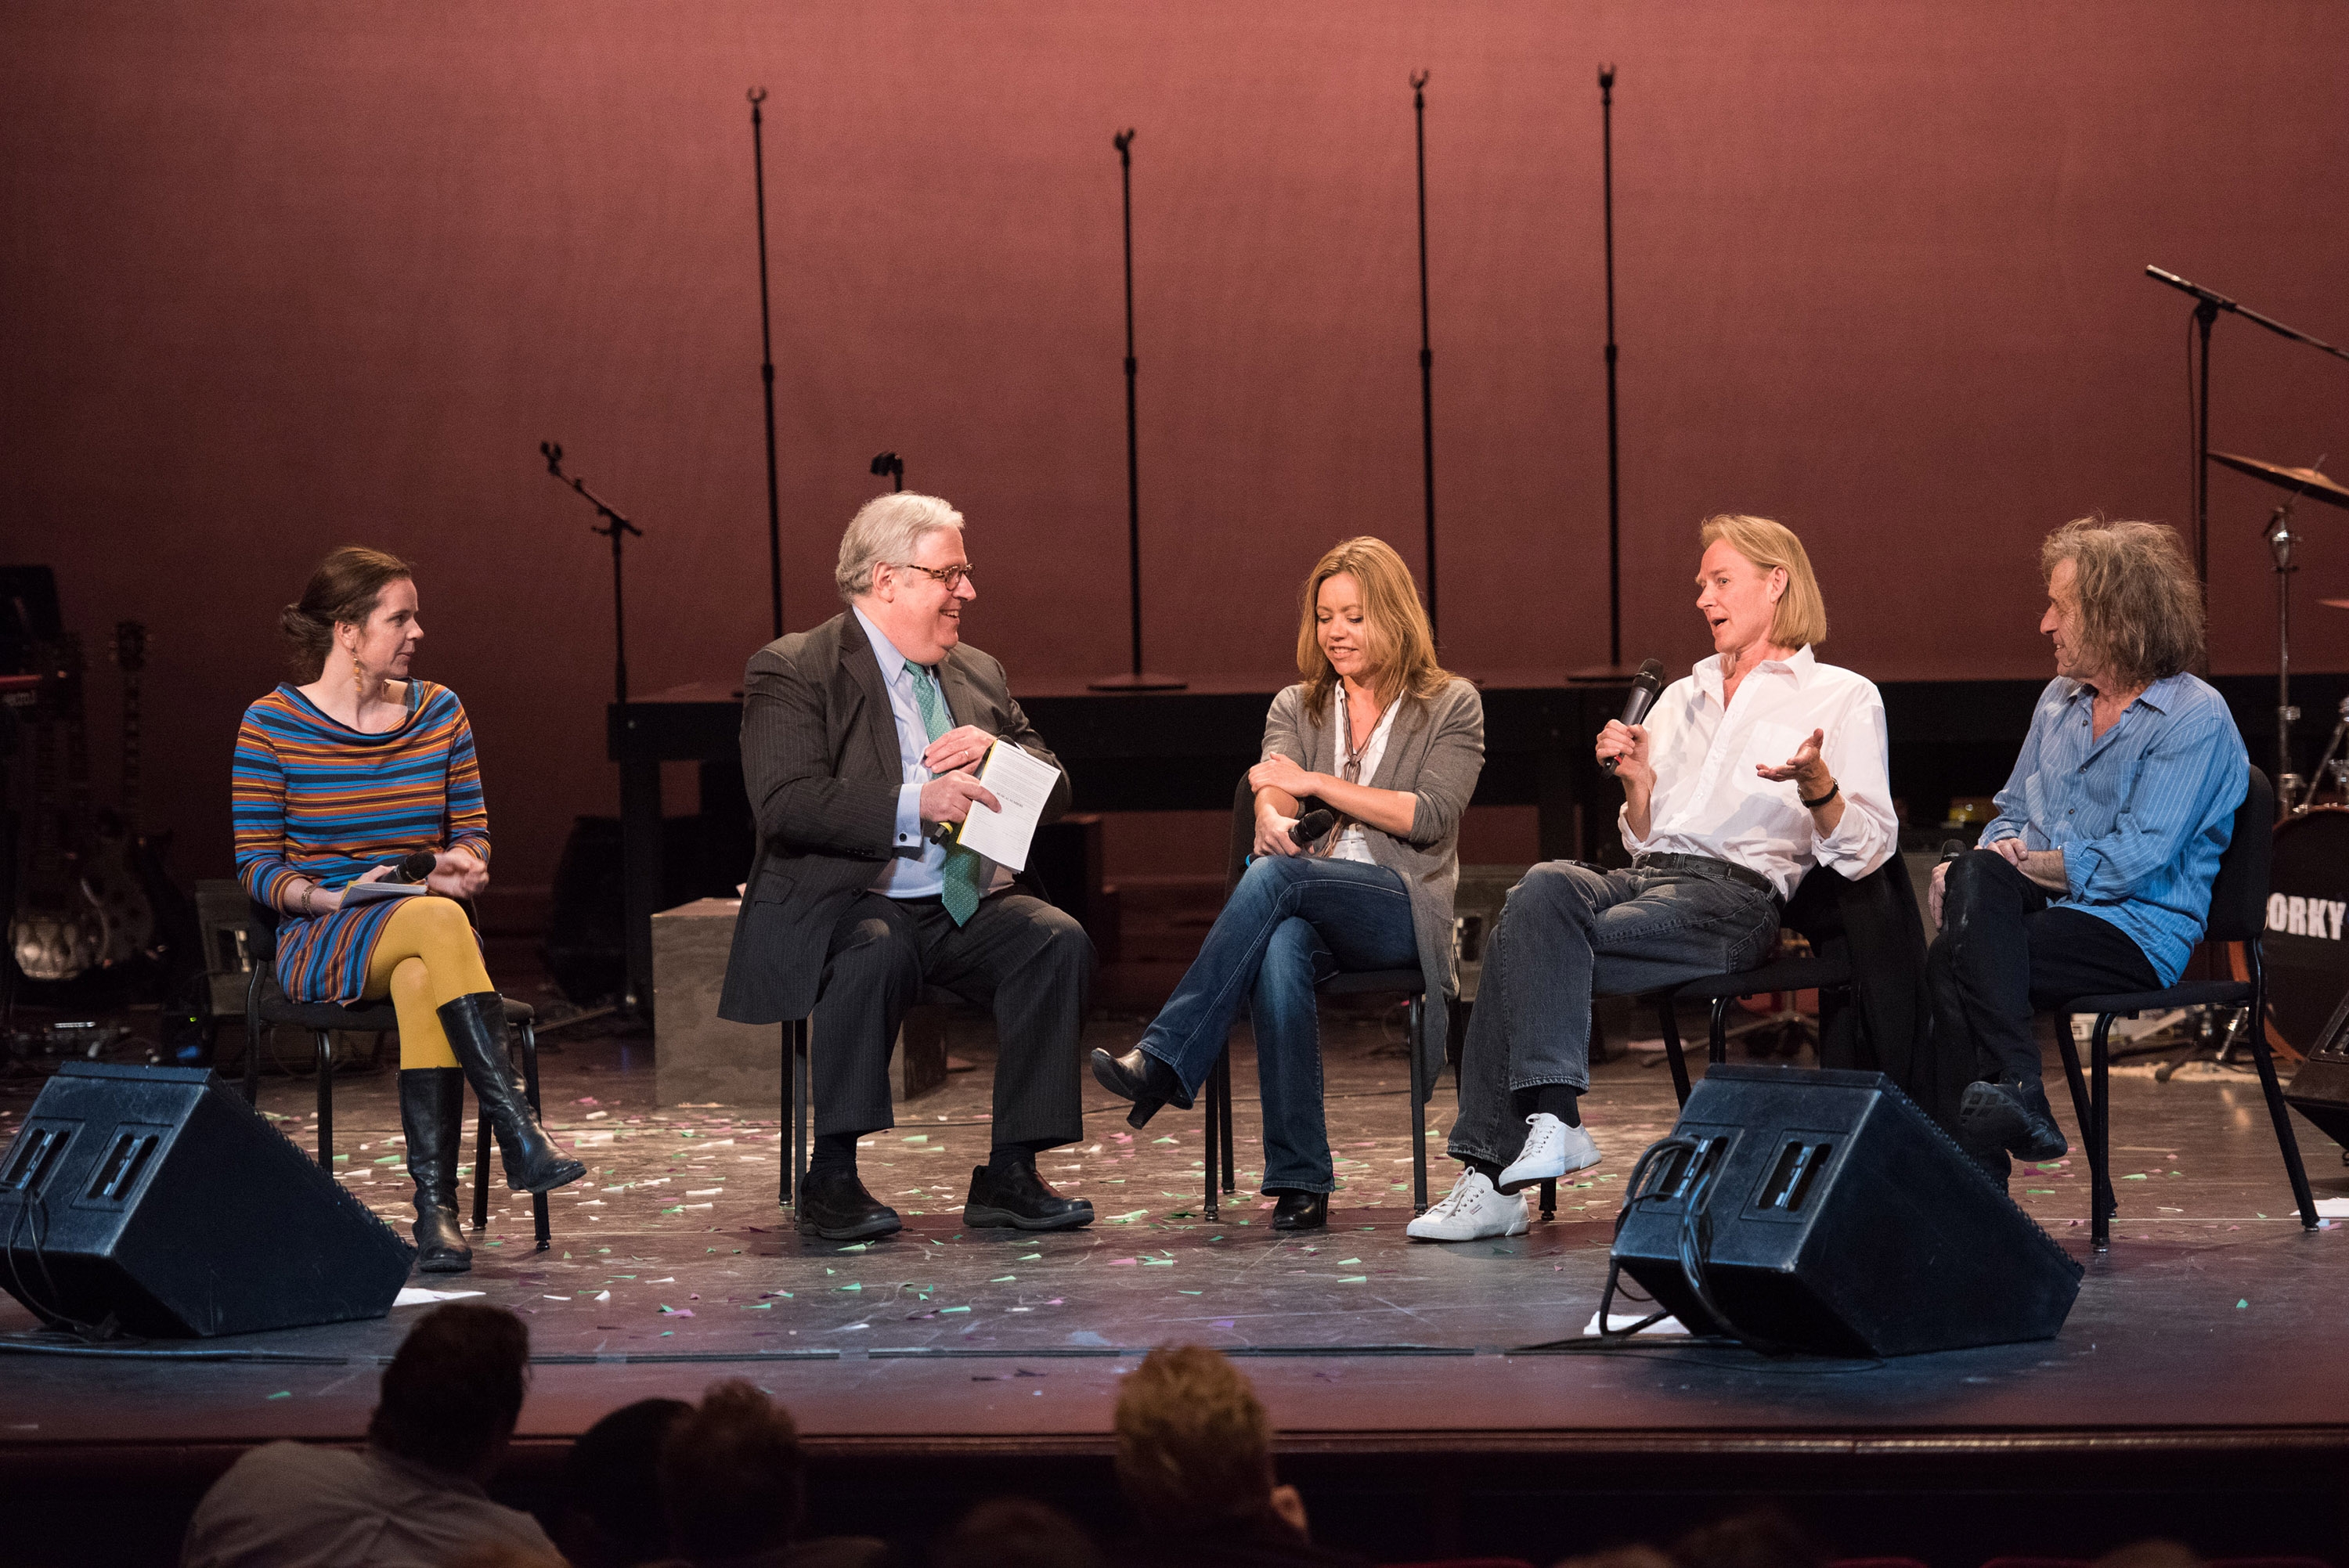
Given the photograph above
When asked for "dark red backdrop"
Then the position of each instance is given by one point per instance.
(278, 275)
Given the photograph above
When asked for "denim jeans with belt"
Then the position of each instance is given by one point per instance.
(1292, 923)
(1569, 932)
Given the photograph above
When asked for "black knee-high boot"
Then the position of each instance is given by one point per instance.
(432, 1115)
(476, 1028)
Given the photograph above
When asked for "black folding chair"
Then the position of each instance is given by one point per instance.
(1216, 1093)
(2238, 903)
(265, 1005)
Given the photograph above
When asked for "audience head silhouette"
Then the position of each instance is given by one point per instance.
(1193, 1445)
(1013, 1532)
(611, 1488)
(454, 1389)
(732, 1479)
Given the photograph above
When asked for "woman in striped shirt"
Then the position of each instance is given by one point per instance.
(334, 780)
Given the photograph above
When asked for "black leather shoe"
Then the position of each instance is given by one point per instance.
(1141, 1078)
(1022, 1199)
(1302, 1212)
(432, 1119)
(836, 1206)
(2013, 1115)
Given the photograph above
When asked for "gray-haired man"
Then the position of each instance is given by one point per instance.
(859, 738)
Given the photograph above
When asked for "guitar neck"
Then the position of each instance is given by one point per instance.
(132, 802)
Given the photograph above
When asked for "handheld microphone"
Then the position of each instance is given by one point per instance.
(414, 866)
(1311, 826)
(1646, 687)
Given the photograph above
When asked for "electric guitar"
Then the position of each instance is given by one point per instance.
(125, 861)
(58, 929)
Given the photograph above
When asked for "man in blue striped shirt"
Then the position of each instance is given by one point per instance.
(2094, 877)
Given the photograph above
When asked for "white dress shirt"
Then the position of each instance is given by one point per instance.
(1708, 800)
(917, 869)
(1350, 845)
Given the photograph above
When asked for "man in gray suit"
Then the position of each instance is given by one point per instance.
(861, 739)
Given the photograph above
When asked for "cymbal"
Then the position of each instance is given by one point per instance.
(2334, 604)
(2307, 481)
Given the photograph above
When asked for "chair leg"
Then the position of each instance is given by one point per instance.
(253, 1040)
(1223, 1103)
(802, 1099)
(2102, 1204)
(2071, 1075)
(481, 1171)
(789, 1120)
(1716, 1045)
(1670, 1027)
(1210, 1144)
(541, 1228)
(325, 1099)
(2264, 1057)
(1418, 1105)
(1549, 1198)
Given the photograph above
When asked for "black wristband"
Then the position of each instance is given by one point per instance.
(1835, 787)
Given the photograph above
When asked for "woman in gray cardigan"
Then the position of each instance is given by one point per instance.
(1378, 733)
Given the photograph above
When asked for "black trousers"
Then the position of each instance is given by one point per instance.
(1030, 962)
(2005, 955)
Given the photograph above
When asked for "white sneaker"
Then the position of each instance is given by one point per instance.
(1471, 1211)
(1552, 1149)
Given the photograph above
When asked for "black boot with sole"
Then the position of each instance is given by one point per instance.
(432, 1115)
(476, 1028)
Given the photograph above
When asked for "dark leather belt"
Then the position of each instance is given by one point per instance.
(1707, 866)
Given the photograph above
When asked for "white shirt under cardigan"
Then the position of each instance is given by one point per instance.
(1708, 800)
(1350, 845)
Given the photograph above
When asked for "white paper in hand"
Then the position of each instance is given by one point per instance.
(1022, 784)
(358, 892)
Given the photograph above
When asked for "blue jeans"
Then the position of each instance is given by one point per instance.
(1569, 932)
(1291, 923)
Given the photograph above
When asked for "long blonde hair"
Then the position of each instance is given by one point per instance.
(1394, 624)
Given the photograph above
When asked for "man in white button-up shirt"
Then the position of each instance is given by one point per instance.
(1760, 765)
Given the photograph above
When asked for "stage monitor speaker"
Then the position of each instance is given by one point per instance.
(156, 1197)
(2320, 1089)
(1823, 1212)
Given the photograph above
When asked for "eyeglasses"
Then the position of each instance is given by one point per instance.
(952, 576)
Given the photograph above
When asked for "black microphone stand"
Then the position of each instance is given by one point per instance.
(2281, 538)
(2208, 302)
(1426, 350)
(616, 528)
(1614, 475)
(893, 467)
(1134, 679)
(766, 373)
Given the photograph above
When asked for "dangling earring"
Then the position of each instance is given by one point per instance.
(358, 679)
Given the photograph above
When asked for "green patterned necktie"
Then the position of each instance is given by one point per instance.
(961, 890)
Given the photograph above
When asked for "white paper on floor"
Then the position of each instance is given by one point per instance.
(412, 1296)
(1620, 1322)
(2334, 1208)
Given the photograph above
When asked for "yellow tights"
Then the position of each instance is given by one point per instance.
(426, 957)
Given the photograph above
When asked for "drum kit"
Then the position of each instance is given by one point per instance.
(2307, 942)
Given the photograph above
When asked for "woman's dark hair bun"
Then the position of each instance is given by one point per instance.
(345, 588)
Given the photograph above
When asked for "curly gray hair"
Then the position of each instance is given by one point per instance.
(886, 532)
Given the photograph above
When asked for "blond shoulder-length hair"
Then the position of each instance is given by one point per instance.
(2140, 606)
(1395, 631)
(1800, 617)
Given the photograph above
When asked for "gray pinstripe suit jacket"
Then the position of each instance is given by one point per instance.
(820, 760)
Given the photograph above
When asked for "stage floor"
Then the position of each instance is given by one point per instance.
(2203, 1334)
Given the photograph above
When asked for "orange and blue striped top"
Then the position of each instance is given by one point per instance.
(313, 797)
